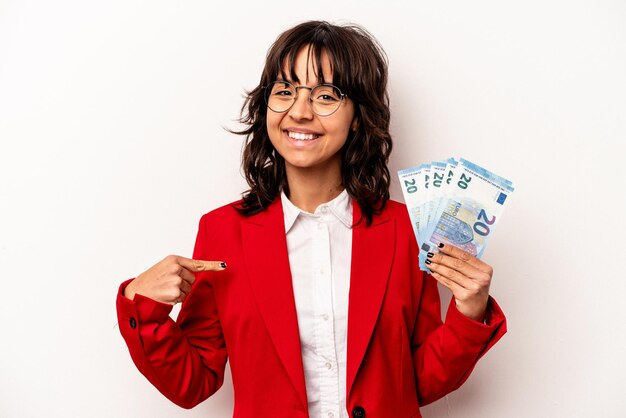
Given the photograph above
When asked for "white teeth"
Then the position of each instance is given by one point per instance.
(302, 137)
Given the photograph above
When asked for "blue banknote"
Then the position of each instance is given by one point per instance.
(460, 205)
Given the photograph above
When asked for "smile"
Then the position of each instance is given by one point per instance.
(299, 136)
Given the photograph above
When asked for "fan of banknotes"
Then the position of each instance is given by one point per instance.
(453, 202)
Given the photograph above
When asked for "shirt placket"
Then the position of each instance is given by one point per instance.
(327, 365)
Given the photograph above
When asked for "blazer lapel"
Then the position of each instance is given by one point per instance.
(267, 263)
(372, 254)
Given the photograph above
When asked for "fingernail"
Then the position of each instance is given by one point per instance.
(430, 255)
(427, 261)
(223, 265)
(441, 245)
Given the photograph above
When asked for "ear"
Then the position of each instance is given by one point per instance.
(355, 124)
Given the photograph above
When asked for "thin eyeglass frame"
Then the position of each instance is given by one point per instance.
(267, 92)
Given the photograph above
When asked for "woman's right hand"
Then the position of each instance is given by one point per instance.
(169, 280)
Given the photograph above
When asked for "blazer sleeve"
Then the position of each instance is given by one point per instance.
(184, 360)
(444, 354)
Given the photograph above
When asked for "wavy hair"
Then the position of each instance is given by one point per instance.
(359, 69)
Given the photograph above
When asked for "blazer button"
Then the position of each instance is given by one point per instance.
(358, 412)
(133, 323)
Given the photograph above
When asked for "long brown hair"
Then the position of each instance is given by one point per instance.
(359, 68)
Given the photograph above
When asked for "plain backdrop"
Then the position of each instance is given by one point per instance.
(112, 145)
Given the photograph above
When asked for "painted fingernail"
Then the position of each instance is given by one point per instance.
(223, 265)
(427, 261)
(430, 255)
(441, 245)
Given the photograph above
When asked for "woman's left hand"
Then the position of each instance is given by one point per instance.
(467, 277)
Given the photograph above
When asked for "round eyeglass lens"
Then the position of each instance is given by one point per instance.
(280, 96)
(325, 99)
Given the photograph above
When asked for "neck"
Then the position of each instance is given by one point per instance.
(309, 188)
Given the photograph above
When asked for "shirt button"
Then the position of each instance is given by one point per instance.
(321, 271)
(331, 415)
(133, 323)
(325, 316)
(329, 366)
(324, 209)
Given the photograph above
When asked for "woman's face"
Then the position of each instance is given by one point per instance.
(306, 141)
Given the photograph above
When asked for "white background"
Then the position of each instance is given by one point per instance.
(112, 146)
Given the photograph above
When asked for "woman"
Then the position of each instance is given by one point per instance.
(321, 307)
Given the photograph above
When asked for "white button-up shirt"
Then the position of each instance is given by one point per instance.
(320, 251)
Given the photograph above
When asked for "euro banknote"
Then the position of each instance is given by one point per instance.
(455, 202)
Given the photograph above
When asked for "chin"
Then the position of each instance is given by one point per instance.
(301, 164)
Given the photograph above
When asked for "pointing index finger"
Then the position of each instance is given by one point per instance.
(201, 265)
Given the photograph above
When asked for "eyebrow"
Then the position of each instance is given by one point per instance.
(297, 81)
(287, 80)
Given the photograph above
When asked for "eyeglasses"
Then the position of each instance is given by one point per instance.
(325, 99)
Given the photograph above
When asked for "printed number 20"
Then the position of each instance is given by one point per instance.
(463, 183)
(482, 228)
(410, 186)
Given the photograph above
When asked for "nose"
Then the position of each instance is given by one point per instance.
(301, 108)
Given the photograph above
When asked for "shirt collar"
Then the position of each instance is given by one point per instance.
(340, 206)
